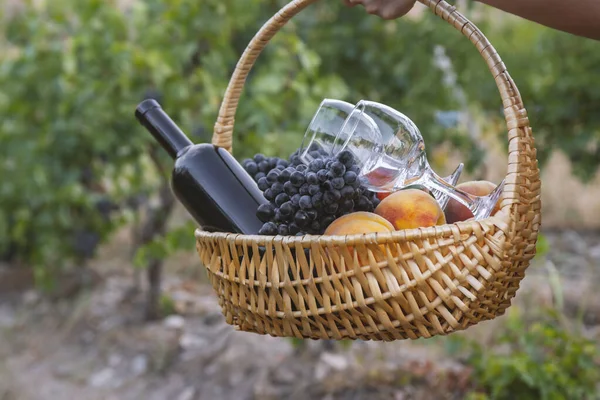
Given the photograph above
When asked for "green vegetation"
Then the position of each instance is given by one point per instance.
(544, 360)
(76, 165)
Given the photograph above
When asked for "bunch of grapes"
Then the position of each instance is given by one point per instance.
(306, 199)
(260, 165)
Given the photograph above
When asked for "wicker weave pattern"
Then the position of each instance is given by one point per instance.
(380, 286)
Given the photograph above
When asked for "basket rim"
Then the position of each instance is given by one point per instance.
(457, 229)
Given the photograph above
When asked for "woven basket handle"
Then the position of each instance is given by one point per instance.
(522, 163)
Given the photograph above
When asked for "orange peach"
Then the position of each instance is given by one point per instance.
(411, 208)
(361, 222)
(383, 195)
(358, 222)
(456, 212)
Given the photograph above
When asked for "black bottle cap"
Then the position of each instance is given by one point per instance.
(166, 132)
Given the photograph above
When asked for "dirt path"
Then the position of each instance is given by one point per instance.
(96, 347)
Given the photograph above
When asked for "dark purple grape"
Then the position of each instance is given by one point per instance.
(301, 167)
(293, 228)
(355, 169)
(297, 178)
(272, 175)
(259, 175)
(327, 185)
(312, 214)
(332, 195)
(327, 221)
(329, 162)
(245, 162)
(273, 161)
(295, 160)
(269, 194)
(289, 188)
(277, 188)
(265, 212)
(338, 183)
(263, 184)
(312, 179)
(301, 219)
(346, 157)
(338, 168)
(283, 163)
(304, 189)
(264, 166)
(286, 208)
(283, 230)
(305, 202)
(364, 204)
(331, 208)
(252, 168)
(296, 200)
(316, 165)
(269, 228)
(259, 157)
(347, 192)
(300, 233)
(347, 205)
(315, 146)
(317, 199)
(331, 175)
(281, 198)
(313, 189)
(279, 217)
(315, 154)
(284, 176)
(315, 226)
(350, 177)
(322, 175)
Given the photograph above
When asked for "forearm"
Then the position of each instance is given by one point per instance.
(579, 17)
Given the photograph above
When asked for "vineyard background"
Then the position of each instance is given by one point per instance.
(101, 293)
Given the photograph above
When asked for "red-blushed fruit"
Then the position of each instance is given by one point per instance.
(383, 195)
(411, 208)
(456, 212)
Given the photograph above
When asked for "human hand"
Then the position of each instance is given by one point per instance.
(386, 9)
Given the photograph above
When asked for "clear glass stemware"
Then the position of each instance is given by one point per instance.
(323, 129)
(391, 155)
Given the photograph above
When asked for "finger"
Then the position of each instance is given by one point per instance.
(392, 10)
(371, 6)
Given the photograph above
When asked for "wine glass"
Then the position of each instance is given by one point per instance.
(391, 155)
(451, 179)
(323, 129)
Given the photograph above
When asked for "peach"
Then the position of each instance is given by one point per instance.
(360, 222)
(383, 195)
(456, 212)
(411, 208)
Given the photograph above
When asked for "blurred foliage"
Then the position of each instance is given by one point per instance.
(540, 361)
(555, 74)
(75, 162)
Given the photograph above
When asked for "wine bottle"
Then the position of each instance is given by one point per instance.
(213, 187)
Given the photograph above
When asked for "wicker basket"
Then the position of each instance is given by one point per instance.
(408, 284)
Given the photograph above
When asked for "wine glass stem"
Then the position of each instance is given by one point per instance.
(433, 182)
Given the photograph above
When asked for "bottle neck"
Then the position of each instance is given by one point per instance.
(161, 126)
